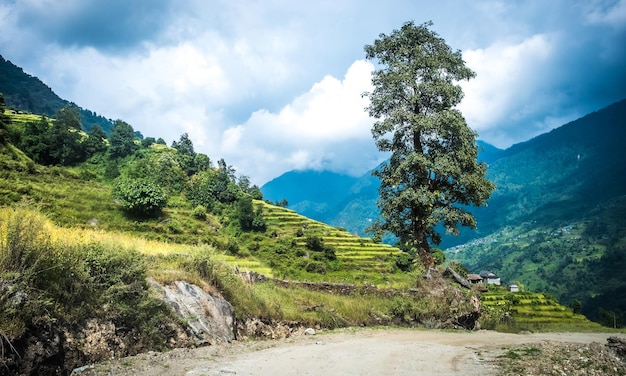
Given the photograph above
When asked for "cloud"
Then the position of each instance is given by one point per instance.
(490, 104)
(108, 25)
(613, 15)
(324, 128)
(276, 85)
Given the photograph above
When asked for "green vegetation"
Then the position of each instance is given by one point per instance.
(432, 175)
(46, 277)
(527, 311)
(578, 261)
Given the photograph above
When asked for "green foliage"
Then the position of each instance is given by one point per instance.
(186, 155)
(43, 281)
(250, 219)
(4, 121)
(438, 256)
(433, 173)
(34, 141)
(199, 212)
(158, 165)
(95, 142)
(140, 197)
(208, 188)
(404, 261)
(121, 140)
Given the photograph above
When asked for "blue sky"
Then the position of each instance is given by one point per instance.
(272, 86)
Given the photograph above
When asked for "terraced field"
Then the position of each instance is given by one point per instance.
(355, 253)
(534, 311)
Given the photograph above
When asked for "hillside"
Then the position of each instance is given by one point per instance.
(92, 249)
(27, 93)
(572, 178)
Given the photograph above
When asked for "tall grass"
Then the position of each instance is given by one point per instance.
(53, 275)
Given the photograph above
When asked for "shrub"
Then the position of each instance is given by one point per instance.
(438, 256)
(140, 197)
(404, 261)
(199, 212)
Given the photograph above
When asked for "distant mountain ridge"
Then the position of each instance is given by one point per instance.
(580, 155)
(337, 199)
(28, 93)
(556, 221)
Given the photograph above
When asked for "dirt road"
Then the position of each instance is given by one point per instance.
(348, 352)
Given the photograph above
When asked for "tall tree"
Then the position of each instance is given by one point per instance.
(122, 140)
(95, 142)
(35, 140)
(4, 121)
(432, 175)
(65, 138)
(186, 155)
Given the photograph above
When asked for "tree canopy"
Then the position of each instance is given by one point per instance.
(432, 175)
(122, 140)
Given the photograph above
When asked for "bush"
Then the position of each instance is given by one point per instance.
(199, 212)
(438, 256)
(45, 281)
(140, 197)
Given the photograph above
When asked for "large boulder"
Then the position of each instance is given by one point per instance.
(209, 317)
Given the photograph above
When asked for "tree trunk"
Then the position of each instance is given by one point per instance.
(423, 251)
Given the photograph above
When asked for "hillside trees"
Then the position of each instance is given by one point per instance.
(140, 197)
(95, 142)
(34, 141)
(4, 121)
(432, 174)
(122, 140)
(65, 138)
(186, 155)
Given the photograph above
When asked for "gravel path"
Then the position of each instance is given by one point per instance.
(346, 352)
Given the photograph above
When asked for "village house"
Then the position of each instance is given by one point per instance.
(474, 278)
(490, 278)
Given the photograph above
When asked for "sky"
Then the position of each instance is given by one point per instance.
(273, 86)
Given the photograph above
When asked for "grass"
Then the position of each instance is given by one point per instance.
(360, 260)
(513, 312)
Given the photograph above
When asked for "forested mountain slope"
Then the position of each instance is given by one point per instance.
(27, 93)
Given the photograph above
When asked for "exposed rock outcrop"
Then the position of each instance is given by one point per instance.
(209, 317)
(451, 273)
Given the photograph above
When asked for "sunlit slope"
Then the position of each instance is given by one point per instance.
(356, 254)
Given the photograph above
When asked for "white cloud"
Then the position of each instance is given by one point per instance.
(327, 127)
(509, 78)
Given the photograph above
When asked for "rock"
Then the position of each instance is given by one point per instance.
(79, 370)
(451, 273)
(268, 329)
(618, 345)
(210, 318)
(309, 331)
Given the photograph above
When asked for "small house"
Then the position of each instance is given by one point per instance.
(490, 278)
(514, 288)
(474, 278)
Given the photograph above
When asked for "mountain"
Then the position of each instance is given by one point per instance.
(311, 193)
(337, 199)
(556, 221)
(29, 94)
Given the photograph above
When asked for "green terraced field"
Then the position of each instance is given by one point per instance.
(535, 311)
(356, 254)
